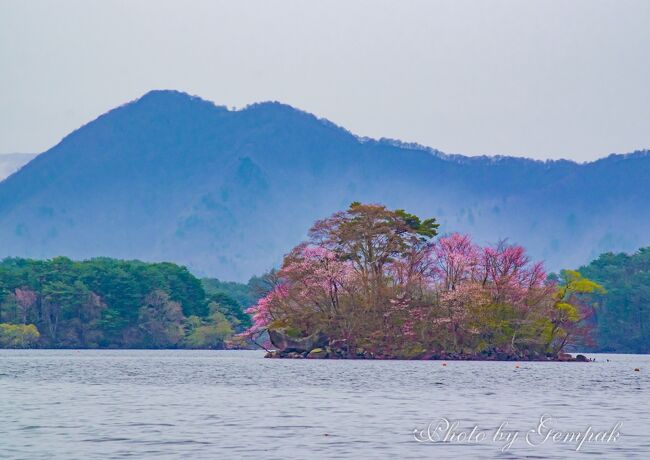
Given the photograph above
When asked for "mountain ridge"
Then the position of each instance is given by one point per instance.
(363, 139)
(171, 176)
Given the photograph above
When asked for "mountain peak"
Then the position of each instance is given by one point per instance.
(166, 94)
(171, 98)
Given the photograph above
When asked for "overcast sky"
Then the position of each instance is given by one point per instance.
(543, 79)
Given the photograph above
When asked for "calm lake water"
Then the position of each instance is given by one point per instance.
(100, 404)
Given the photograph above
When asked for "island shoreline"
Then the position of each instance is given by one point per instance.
(496, 357)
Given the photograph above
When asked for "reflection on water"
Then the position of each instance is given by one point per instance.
(99, 404)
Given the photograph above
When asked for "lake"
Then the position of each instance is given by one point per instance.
(100, 404)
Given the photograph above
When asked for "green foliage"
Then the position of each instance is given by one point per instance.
(238, 291)
(567, 311)
(211, 333)
(623, 314)
(231, 299)
(427, 228)
(571, 317)
(112, 303)
(18, 335)
(230, 308)
(574, 282)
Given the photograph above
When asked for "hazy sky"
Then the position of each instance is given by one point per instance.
(543, 79)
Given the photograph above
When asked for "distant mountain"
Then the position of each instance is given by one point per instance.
(12, 162)
(174, 177)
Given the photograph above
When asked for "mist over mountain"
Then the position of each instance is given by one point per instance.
(228, 192)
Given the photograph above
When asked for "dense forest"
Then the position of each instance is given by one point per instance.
(107, 303)
(623, 312)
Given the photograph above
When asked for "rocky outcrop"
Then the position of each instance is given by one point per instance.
(287, 344)
(318, 346)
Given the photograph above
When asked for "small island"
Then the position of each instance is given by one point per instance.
(374, 283)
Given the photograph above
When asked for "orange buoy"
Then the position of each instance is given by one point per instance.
(516, 366)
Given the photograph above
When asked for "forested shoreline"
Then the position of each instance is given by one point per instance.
(108, 303)
(622, 313)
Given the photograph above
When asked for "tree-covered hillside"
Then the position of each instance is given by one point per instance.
(111, 303)
(623, 313)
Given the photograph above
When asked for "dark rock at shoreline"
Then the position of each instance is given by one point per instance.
(285, 343)
(318, 346)
(328, 353)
